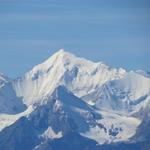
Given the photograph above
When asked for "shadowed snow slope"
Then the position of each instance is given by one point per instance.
(3, 79)
(9, 102)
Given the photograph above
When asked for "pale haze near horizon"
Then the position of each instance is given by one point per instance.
(117, 33)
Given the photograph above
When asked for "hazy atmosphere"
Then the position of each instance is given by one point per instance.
(115, 32)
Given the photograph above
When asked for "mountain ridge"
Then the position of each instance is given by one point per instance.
(67, 95)
(64, 68)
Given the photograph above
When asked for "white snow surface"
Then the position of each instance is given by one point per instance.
(125, 126)
(113, 93)
(6, 120)
(127, 94)
(79, 75)
(50, 134)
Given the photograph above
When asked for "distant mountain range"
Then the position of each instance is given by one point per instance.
(70, 103)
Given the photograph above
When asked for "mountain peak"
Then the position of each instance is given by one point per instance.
(61, 50)
(60, 57)
(60, 90)
(63, 95)
(60, 53)
(64, 68)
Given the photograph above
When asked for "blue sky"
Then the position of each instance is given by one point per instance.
(113, 31)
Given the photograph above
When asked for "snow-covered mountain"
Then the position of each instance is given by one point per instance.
(71, 96)
(79, 75)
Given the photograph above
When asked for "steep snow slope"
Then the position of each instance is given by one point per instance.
(8, 119)
(77, 74)
(130, 93)
(144, 73)
(9, 102)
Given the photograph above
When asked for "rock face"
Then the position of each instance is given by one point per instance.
(20, 135)
(71, 141)
(72, 103)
